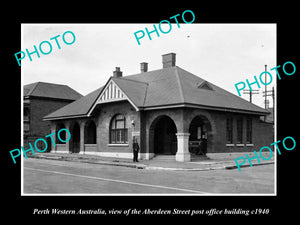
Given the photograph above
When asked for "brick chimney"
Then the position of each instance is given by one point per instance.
(168, 60)
(117, 72)
(144, 67)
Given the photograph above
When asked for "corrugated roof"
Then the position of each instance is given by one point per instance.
(165, 87)
(50, 90)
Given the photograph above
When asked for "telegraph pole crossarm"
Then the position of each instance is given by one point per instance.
(272, 94)
(250, 93)
(269, 93)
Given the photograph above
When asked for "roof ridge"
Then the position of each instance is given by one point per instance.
(146, 92)
(124, 78)
(179, 84)
(150, 71)
(43, 82)
(32, 89)
(141, 82)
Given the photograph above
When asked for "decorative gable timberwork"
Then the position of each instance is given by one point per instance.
(111, 93)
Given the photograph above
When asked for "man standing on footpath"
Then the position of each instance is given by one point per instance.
(135, 148)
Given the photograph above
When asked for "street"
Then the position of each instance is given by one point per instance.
(43, 176)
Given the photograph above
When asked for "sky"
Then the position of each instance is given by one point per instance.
(223, 54)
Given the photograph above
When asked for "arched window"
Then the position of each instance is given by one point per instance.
(118, 132)
(90, 133)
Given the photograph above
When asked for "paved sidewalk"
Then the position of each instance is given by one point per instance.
(215, 161)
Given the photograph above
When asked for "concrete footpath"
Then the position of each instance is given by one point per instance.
(214, 161)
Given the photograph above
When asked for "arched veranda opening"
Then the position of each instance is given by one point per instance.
(74, 146)
(162, 137)
(90, 133)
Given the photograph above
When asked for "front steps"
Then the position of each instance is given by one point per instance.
(165, 158)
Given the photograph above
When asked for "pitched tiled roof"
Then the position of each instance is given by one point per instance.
(50, 90)
(174, 85)
(135, 89)
(77, 108)
(166, 87)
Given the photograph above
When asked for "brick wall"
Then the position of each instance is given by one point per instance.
(38, 109)
(262, 133)
(107, 112)
(215, 122)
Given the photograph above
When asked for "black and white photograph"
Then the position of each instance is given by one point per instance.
(161, 116)
(133, 113)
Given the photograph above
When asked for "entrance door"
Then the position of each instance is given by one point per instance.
(198, 134)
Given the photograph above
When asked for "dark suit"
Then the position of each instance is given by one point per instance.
(135, 148)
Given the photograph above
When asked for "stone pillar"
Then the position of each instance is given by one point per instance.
(183, 154)
(81, 144)
(67, 144)
(53, 143)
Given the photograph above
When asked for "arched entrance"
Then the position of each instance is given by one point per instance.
(200, 131)
(75, 140)
(163, 138)
(90, 133)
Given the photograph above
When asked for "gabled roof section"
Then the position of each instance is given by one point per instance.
(50, 90)
(120, 89)
(111, 93)
(135, 90)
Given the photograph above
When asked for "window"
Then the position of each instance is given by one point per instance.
(249, 131)
(240, 130)
(229, 130)
(26, 127)
(118, 130)
(26, 115)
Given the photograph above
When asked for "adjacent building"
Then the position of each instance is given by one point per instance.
(39, 100)
(168, 110)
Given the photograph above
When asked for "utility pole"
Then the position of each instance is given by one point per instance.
(250, 93)
(266, 103)
(272, 94)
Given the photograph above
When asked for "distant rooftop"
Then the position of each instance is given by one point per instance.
(50, 90)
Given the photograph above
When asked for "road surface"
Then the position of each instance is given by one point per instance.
(43, 176)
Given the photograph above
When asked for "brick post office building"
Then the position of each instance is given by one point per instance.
(40, 99)
(167, 110)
